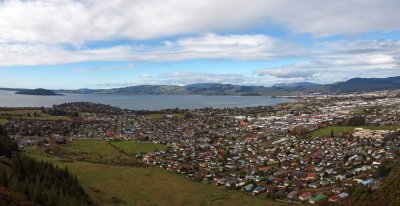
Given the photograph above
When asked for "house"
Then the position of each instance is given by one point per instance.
(244, 123)
(311, 176)
(293, 194)
(314, 185)
(317, 199)
(305, 196)
(334, 198)
(248, 188)
(343, 195)
(367, 182)
(324, 183)
(259, 189)
(60, 140)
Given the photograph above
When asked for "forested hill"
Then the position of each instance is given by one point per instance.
(24, 181)
(388, 194)
(351, 85)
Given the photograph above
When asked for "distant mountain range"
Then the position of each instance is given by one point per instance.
(350, 86)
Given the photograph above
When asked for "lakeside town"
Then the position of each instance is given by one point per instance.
(317, 148)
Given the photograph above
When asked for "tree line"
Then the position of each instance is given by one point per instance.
(40, 182)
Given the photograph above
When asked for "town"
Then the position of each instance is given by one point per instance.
(319, 148)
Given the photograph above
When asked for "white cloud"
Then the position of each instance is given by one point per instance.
(184, 78)
(113, 68)
(343, 60)
(145, 75)
(42, 54)
(41, 32)
(75, 22)
(244, 47)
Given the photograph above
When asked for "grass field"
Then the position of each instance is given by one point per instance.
(121, 185)
(326, 131)
(134, 147)
(97, 151)
(3, 121)
(30, 114)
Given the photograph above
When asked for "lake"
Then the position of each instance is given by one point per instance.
(140, 102)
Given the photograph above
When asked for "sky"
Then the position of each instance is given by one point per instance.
(71, 44)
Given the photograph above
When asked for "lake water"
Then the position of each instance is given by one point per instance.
(138, 102)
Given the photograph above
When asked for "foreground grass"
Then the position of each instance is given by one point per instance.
(120, 185)
(326, 131)
(3, 121)
(135, 147)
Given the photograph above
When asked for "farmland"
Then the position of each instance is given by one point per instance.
(34, 114)
(326, 131)
(134, 147)
(110, 184)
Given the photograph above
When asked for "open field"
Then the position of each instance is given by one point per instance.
(31, 114)
(97, 151)
(121, 185)
(135, 147)
(3, 121)
(326, 131)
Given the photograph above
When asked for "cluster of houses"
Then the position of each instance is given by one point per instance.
(250, 149)
(298, 169)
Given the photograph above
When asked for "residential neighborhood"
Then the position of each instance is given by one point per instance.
(293, 152)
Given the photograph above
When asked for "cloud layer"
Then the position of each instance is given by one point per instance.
(240, 47)
(337, 61)
(60, 21)
(53, 32)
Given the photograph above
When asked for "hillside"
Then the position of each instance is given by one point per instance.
(101, 170)
(388, 193)
(24, 179)
(297, 88)
(8, 197)
(366, 85)
(351, 85)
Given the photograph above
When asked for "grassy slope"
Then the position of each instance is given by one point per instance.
(134, 147)
(108, 184)
(326, 131)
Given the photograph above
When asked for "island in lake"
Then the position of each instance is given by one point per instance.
(40, 91)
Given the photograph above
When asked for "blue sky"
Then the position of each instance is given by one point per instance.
(106, 44)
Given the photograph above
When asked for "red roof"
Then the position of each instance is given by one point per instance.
(304, 195)
(334, 198)
(311, 176)
(243, 123)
